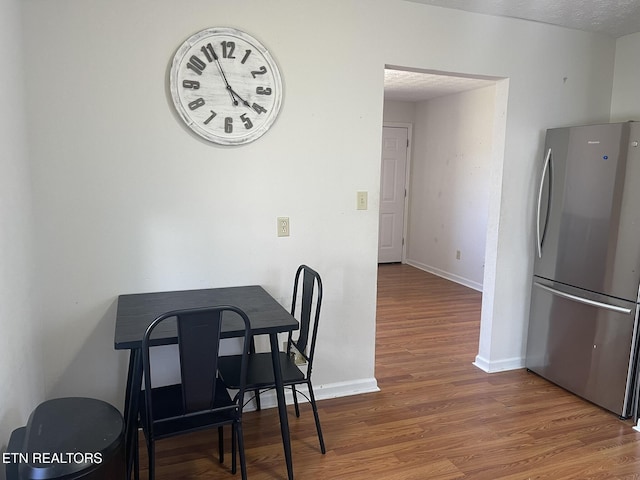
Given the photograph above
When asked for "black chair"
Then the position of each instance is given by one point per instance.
(201, 400)
(260, 368)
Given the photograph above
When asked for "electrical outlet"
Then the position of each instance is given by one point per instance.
(283, 226)
(297, 357)
(457, 254)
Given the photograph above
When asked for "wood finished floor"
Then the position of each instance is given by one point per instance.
(436, 416)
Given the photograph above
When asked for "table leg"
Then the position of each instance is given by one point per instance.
(282, 405)
(134, 384)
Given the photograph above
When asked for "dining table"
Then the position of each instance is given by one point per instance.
(136, 311)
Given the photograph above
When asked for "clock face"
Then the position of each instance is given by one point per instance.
(226, 86)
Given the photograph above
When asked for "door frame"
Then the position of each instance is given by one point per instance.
(407, 170)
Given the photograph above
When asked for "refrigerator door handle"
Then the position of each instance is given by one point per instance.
(547, 161)
(586, 301)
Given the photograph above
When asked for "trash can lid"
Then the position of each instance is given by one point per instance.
(66, 436)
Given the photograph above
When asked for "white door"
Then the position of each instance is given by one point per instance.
(392, 193)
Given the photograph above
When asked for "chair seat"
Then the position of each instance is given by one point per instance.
(259, 370)
(168, 404)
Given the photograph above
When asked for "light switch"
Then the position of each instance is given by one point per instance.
(362, 201)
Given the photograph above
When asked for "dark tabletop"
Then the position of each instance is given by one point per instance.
(137, 311)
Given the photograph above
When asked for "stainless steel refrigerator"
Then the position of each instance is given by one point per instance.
(583, 322)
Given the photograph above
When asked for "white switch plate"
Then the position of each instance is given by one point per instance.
(283, 226)
(362, 200)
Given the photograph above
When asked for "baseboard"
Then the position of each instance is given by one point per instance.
(500, 365)
(446, 275)
(331, 390)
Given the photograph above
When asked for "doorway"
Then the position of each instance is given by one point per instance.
(400, 100)
(446, 209)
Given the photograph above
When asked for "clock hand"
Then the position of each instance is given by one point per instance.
(224, 77)
(233, 92)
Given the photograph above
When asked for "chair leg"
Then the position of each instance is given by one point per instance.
(136, 456)
(317, 417)
(221, 444)
(151, 450)
(243, 460)
(257, 400)
(233, 449)
(295, 400)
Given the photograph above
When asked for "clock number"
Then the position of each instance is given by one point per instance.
(228, 49)
(262, 71)
(258, 108)
(197, 103)
(246, 55)
(194, 84)
(209, 53)
(196, 64)
(228, 125)
(213, 115)
(263, 91)
(247, 122)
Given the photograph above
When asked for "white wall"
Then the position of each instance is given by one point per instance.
(399, 112)
(127, 200)
(450, 178)
(21, 365)
(625, 101)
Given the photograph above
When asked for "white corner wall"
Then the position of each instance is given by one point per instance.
(126, 200)
(21, 361)
(625, 101)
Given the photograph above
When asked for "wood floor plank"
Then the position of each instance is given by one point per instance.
(437, 416)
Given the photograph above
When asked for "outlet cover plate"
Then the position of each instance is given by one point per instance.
(283, 226)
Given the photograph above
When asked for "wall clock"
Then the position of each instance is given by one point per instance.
(226, 86)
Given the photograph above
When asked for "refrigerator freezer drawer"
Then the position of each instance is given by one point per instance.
(583, 342)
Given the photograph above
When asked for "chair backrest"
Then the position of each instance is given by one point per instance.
(307, 311)
(199, 334)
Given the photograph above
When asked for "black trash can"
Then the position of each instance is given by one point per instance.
(68, 439)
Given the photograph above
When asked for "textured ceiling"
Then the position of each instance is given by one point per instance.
(615, 18)
(612, 17)
(407, 86)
